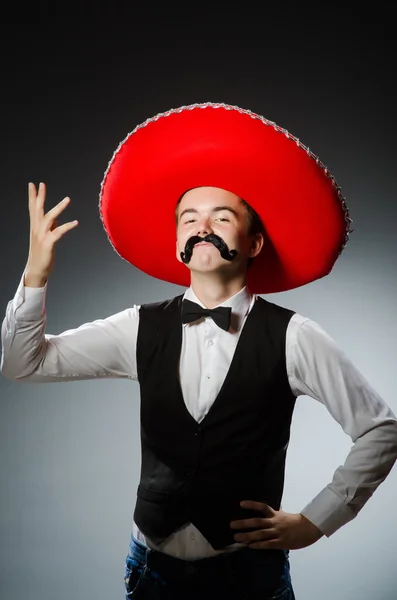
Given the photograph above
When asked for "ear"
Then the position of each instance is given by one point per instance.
(178, 255)
(256, 245)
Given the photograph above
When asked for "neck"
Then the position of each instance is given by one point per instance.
(212, 291)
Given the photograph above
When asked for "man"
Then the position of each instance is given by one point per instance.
(219, 367)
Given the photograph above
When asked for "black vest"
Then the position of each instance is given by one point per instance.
(200, 472)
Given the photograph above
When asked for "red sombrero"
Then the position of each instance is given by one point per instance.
(301, 206)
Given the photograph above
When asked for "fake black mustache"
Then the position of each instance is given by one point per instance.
(212, 238)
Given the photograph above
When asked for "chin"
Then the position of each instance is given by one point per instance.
(207, 268)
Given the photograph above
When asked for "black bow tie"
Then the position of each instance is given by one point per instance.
(192, 311)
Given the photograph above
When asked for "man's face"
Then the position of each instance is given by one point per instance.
(210, 210)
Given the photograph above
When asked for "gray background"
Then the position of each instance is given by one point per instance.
(70, 454)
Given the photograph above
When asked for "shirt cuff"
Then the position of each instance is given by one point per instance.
(328, 512)
(29, 303)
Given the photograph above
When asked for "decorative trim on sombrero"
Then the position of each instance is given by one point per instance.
(276, 127)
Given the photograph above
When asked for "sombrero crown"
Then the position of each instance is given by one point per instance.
(301, 206)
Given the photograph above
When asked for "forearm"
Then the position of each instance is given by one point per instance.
(33, 280)
(366, 467)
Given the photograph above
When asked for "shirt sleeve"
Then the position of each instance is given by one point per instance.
(103, 348)
(318, 368)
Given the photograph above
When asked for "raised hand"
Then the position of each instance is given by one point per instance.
(44, 233)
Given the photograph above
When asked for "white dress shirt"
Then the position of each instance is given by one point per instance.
(316, 367)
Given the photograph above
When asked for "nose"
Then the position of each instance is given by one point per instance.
(204, 227)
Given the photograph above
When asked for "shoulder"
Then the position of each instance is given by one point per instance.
(308, 342)
(275, 310)
(304, 328)
(157, 315)
(163, 305)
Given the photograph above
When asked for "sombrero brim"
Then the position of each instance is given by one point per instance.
(303, 211)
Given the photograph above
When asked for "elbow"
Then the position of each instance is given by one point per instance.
(13, 374)
(8, 373)
(4, 369)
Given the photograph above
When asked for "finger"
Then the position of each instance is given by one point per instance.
(259, 506)
(275, 544)
(36, 200)
(41, 194)
(255, 536)
(32, 193)
(256, 523)
(62, 229)
(57, 209)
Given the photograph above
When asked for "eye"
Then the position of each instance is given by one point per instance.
(190, 221)
(222, 219)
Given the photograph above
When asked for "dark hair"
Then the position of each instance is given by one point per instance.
(255, 225)
(254, 222)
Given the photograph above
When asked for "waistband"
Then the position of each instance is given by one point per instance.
(177, 568)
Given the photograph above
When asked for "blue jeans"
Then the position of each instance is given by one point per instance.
(245, 574)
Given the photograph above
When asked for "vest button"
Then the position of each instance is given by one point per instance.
(198, 431)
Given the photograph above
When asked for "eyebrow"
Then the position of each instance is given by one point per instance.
(215, 209)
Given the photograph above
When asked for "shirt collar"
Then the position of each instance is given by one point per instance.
(240, 304)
